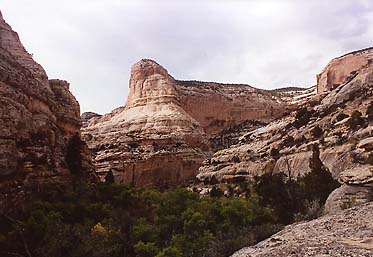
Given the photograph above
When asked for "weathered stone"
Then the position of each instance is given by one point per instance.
(346, 233)
(38, 117)
(161, 135)
(347, 196)
(341, 147)
(360, 175)
(343, 69)
(366, 143)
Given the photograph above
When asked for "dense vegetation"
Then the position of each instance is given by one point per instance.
(99, 220)
(113, 220)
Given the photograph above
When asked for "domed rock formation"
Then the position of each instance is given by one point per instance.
(161, 135)
(38, 119)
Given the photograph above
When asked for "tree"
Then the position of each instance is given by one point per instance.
(73, 157)
(319, 183)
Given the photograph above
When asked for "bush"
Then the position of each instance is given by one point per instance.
(102, 220)
(288, 141)
(274, 152)
(319, 183)
(73, 157)
(317, 131)
(292, 199)
(356, 121)
(302, 117)
(341, 116)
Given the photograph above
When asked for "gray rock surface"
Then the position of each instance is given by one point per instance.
(346, 233)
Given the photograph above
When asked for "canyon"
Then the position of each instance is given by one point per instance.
(206, 136)
(161, 136)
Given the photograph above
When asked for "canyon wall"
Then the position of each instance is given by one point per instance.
(343, 69)
(38, 119)
(338, 121)
(161, 135)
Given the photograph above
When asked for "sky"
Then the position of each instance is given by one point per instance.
(265, 43)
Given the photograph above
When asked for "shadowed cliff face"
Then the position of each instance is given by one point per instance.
(161, 135)
(38, 118)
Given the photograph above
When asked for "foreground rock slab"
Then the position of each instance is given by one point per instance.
(347, 233)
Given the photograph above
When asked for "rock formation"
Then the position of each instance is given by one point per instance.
(161, 135)
(356, 189)
(346, 233)
(342, 69)
(86, 117)
(338, 121)
(38, 118)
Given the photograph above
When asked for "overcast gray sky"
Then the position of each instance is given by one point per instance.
(264, 43)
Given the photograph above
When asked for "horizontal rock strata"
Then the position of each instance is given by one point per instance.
(161, 135)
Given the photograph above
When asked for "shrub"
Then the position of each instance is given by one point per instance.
(341, 116)
(146, 249)
(275, 153)
(73, 157)
(302, 117)
(356, 121)
(288, 141)
(317, 131)
(319, 183)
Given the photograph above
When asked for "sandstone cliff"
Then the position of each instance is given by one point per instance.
(338, 121)
(347, 233)
(38, 119)
(342, 69)
(161, 135)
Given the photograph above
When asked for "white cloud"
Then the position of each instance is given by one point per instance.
(265, 43)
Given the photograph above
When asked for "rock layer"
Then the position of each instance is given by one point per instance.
(347, 233)
(38, 118)
(160, 136)
(285, 144)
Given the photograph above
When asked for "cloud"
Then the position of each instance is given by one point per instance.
(264, 43)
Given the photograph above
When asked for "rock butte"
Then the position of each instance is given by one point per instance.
(161, 135)
(38, 118)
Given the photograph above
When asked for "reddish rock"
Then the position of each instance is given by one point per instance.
(342, 69)
(161, 135)
(38, 118)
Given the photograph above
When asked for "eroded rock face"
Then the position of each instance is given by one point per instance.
(342, 69)
(161, 135)
(346, 233)
(86, 117)
(38, 118)
(285, 144)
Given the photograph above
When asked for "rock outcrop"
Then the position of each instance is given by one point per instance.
(338, 121)
(346, 233)
(343, 69)
(161, 135)
(38, 118)
(86, 117)
(356, 189)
